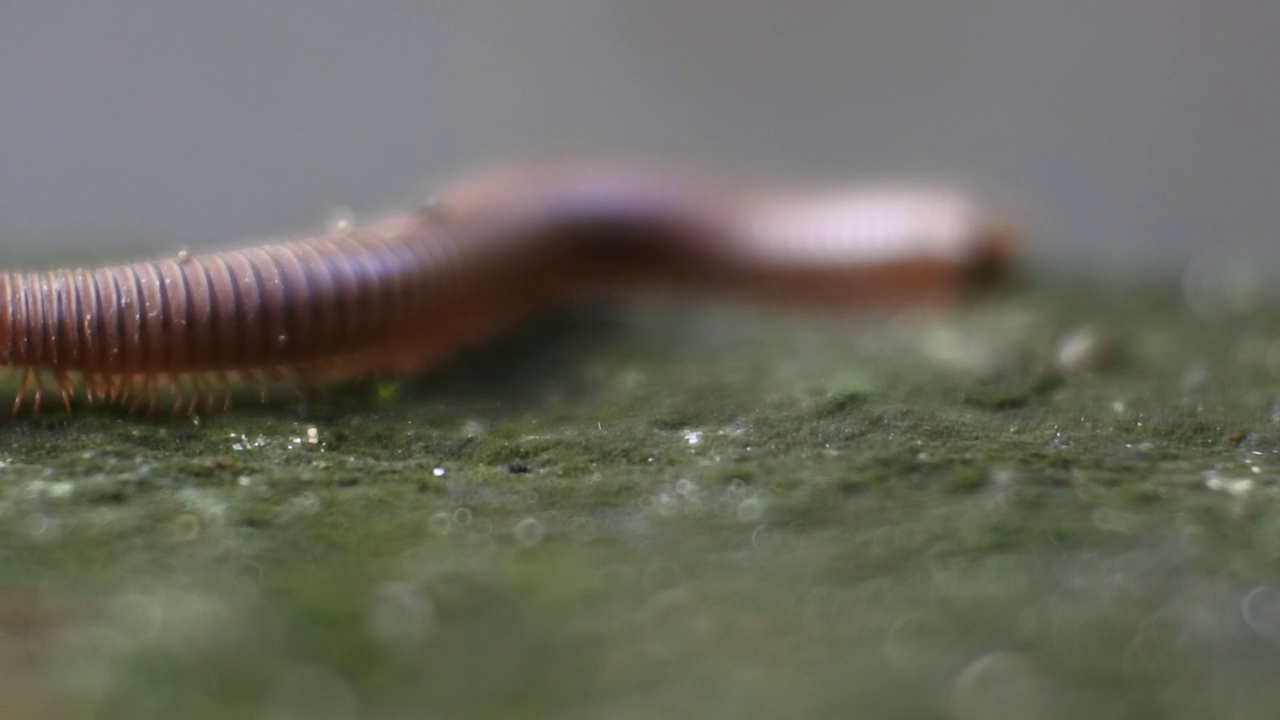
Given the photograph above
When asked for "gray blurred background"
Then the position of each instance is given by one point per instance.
(1132, 134)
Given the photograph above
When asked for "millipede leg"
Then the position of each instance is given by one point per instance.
(259, 378)
(281, 377)
(66, 386)
(22, 390)
(35, 400)
(200, 391)
(149, 388)
(224, 380)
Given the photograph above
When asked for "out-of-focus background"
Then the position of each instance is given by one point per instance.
(1130, 135)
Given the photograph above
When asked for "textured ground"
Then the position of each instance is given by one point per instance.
(1057, 502)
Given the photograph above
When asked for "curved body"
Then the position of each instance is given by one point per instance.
(403, 292)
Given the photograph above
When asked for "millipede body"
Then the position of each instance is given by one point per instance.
(404, 292)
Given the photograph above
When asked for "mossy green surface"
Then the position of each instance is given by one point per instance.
(661, 513)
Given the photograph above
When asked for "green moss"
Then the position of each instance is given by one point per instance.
(708, 513)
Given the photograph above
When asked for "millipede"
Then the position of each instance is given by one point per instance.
(406, 292)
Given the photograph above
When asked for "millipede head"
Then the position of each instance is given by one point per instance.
(996, 253)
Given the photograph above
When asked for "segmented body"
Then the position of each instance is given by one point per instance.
(401, 293)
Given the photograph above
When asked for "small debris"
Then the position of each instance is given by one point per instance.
(1084, 351)
(341, 220)
(432, 205)
(220, 463)
(1236, 487)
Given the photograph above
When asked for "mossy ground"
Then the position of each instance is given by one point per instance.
(659, 514)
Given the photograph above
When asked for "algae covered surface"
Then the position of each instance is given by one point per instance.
(1060, 501)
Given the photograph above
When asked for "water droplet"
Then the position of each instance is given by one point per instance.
(1260, 608)
(1003, 685)
(750, 510)
(902, 643)
(440, 523)
(186, 527)
(402, 616)
(305, 504)
(662, 503)
(41, 528)
(1147, 655)
(737, 489)
(529, 531)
